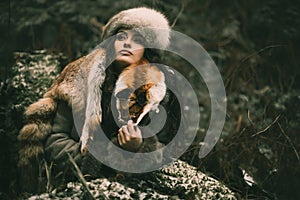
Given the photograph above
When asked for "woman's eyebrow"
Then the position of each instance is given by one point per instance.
(122, 32)
(138, 35)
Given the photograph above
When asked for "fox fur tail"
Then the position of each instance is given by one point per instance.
(37, 127)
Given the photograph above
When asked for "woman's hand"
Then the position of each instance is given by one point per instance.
(130, 137)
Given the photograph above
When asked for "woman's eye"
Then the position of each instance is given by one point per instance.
(138, 40)
(121, 36)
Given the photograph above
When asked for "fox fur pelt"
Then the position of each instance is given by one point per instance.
(141, 87)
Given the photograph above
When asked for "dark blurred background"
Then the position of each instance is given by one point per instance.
(255, 45)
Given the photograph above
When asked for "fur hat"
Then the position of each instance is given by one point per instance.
(151, 24)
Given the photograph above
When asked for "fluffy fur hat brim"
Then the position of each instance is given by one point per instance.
(151, 24)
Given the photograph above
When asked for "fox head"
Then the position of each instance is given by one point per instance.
(139, 89)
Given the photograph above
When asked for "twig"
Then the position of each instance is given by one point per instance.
(239, 122)
(265, 129)
(177, 17)
(79, 175)
(234, 71)
(48, 175)
(261, 50)
(289, 140)
(249, 118)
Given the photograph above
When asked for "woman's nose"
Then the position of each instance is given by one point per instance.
(127, 44)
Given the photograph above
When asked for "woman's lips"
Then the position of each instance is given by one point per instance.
(125, 52)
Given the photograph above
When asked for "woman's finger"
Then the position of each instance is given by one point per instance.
(131, 128)
(121, 138)
(138, 132)
(126, 133)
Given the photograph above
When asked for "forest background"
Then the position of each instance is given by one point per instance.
(255, 45)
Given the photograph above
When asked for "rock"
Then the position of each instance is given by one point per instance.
(26, 81)
(176, 181)
(32, 75)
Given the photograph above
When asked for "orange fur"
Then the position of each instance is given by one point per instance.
(138, 79)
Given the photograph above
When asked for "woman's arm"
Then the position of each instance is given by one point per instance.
(64, 139)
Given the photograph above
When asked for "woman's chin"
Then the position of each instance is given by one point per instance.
(126, 60)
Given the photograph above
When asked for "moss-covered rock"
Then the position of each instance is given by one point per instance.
(176, 181)
(32, 75)
(29, 78)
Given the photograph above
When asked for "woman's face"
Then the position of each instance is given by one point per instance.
(129, 47)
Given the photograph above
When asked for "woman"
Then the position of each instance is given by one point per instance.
(83, 92)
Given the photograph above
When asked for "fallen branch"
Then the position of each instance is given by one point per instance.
(79, 175)
(269, 126)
